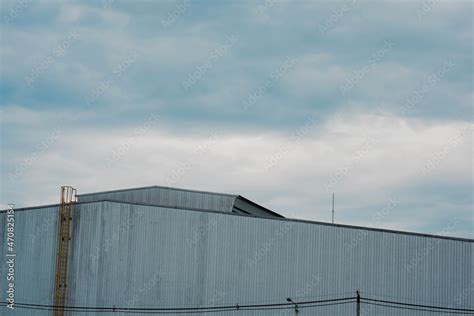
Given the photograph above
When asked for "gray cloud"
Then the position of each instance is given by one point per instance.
(424, 38)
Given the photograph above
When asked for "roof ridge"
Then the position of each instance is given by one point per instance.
(159, 187)
(269, 218)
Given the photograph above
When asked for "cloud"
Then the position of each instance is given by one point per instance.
(236, 161)
(364, 147)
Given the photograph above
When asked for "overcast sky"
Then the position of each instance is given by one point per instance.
(284, 102)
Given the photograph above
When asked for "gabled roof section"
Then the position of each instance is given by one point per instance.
(241, 204)
(183, 199)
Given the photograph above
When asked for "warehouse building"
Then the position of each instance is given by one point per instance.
(166, 250)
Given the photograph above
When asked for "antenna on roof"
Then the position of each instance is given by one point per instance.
(333, 208)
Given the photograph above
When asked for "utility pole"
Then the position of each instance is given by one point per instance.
(358, 303)
(333, 208)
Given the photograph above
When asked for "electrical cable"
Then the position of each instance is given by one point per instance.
(420, 309)
(306, 304)
(397, 298)
(418, 305)
(228, 308)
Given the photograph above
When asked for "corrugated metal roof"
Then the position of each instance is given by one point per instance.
(156, 187)
(167, 197)
(182, 198)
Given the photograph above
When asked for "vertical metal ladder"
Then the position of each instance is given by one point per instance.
(68, 197)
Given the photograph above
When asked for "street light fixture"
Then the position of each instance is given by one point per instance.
(296, 305)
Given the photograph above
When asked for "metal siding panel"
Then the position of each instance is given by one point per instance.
(167, 197)
(221, 259)
(35, 246)
(218, 259)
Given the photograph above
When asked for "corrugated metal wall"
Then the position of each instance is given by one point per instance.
(35, 246)
(145, 256)
(170, 197)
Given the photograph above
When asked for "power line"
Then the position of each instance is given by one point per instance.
(145, 311)
(398, 298)
(419, 306)
(420, 309)
(251, 307)
(195, 310)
